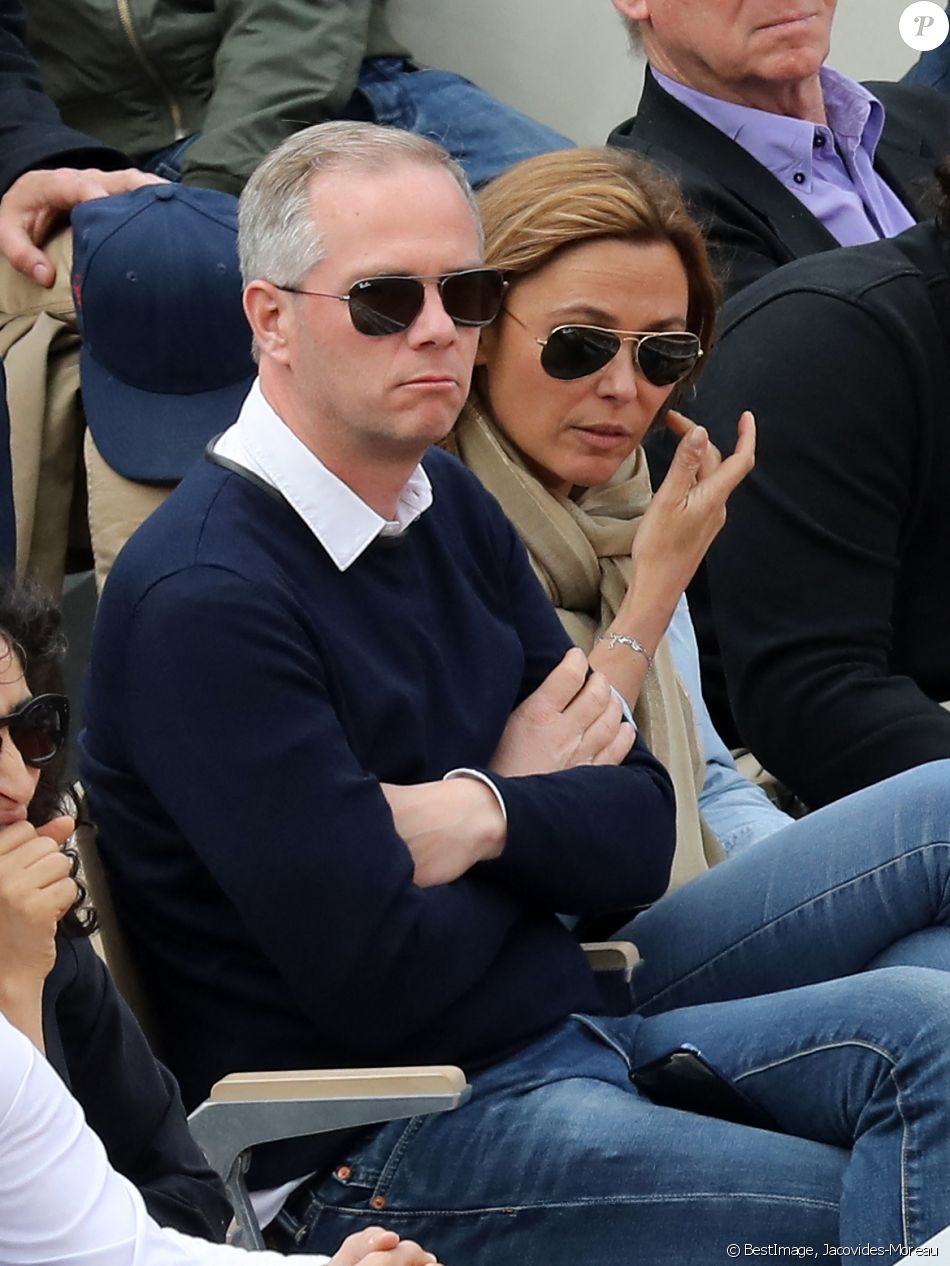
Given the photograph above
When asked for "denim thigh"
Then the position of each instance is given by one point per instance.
(861, 1064)
(481, 132)
(863, 883)
(558, 1159)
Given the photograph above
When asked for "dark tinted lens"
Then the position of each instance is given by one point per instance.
(40, 729)
(473, 297)
(385, 305)
(574, 351)
(666, 358)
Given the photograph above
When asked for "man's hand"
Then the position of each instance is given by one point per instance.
(571, 719)
(688, 509)
(32, 204)
(447, 826)
(376, 1247)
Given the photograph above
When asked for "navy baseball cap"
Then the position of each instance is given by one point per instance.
(166, 350)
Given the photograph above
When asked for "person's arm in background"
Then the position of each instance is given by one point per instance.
(739, 812)
(804, 576)
(278, 68)
(61, 1201)
(46, 168)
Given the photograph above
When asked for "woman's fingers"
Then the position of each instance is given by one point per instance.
(58, 829)
(734, 468)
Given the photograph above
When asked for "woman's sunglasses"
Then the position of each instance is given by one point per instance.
(389, 305)
(38, 728)
(574, 351)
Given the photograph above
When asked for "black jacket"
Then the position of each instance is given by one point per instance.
(830, 586)
(130, 1100)
(753, 223)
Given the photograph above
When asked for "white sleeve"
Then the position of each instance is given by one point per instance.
(60, 1199)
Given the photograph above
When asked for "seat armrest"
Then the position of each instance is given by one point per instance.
(338, 1083)
(612, 956)
(247, 1109)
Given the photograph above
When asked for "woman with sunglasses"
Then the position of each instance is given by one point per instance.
(61, 1200)
(608, 312)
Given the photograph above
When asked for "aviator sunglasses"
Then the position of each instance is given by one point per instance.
(389, 305)
(574, 351)
(38, 728)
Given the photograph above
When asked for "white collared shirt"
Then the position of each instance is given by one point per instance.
(262, 443)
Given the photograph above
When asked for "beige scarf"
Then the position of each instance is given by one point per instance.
(580, 550)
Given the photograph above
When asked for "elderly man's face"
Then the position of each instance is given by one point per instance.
(728, 47)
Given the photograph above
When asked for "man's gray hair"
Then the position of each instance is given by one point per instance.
(278, 239)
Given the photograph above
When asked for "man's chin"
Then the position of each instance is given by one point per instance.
(434, 424)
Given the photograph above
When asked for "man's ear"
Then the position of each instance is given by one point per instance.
(633, 10)
(268, 313)
(487, 340)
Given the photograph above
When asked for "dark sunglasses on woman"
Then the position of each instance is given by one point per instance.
(389, 305)
(38, 728)
(663, 357)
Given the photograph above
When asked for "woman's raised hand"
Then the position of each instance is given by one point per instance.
(688, 509)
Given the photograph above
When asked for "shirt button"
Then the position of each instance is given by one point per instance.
(819, 140)
(799, 178)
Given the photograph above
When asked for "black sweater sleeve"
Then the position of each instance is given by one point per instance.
(130, 1100)
(805, 579)
(580, 837)
(31, 132)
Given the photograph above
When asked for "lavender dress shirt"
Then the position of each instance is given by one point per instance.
(829, 168)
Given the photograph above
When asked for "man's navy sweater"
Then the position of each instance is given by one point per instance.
(245, 701)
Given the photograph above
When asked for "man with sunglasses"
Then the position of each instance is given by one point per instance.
(346, 771)
(103, 97)
(344, 762)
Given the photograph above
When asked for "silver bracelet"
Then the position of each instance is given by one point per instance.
(621, 639)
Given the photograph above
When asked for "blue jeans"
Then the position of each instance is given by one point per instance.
(481, 132)
(557, 1158)
(167, 162)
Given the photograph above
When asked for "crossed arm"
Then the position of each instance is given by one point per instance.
(571, 719)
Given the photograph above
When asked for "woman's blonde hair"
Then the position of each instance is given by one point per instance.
(544, 205)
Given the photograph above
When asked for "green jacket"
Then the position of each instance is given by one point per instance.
(140, 74)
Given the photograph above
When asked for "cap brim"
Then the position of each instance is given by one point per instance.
(149, 436)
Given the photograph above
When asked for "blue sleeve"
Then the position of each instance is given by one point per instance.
(570, 833)
(739, 812)
(270, 796)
